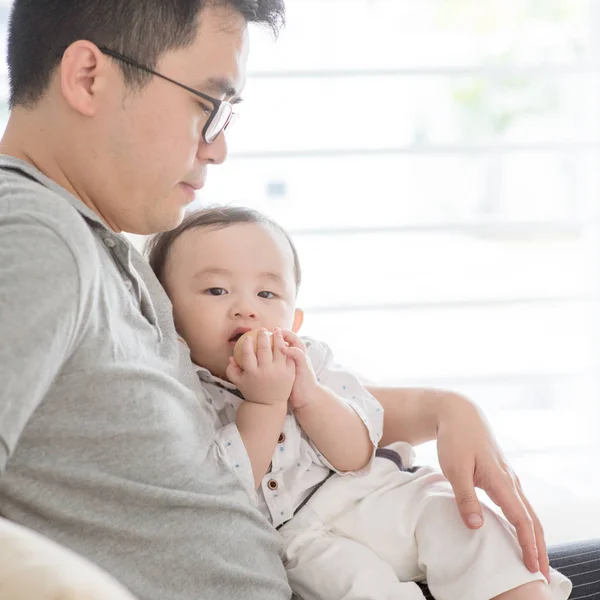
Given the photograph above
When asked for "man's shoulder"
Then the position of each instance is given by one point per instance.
(28, 204)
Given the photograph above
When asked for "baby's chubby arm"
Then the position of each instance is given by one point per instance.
(265, 378)
(334, 427)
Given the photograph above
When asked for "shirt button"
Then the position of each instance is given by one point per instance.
(109, 242)
(273, 485)
(281, 438)
(128, 284)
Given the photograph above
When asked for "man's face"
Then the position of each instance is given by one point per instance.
(223, 282)
(156, 156)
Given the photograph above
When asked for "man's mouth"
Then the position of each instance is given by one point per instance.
(195, 184)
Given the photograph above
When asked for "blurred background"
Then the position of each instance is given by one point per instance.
(437, 163)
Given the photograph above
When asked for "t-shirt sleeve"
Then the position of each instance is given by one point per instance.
(39, 303)
(232, 450)
(229, 445)
(347, 386)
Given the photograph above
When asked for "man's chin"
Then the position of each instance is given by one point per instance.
(167, 221)
(188, 193)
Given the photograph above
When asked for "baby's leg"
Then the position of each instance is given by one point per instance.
(321, 566)
(481, 564)
(536, 590)
(415, 527)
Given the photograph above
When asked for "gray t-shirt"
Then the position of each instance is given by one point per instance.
(105, 443)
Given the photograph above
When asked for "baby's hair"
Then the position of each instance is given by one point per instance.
(159, 246)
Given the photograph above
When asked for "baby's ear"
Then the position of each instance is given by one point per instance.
(298, 320)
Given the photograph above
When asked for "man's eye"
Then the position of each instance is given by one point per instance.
(216, 291)
(267, 295)
(205, 109)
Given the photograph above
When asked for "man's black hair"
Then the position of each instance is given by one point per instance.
(41, 30)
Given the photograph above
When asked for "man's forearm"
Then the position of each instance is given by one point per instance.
(336, 430)
(413, 415)
(260, 426)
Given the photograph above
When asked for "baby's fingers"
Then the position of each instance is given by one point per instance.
(249, 357)
(264, 352)
(233, 371)
(292, 339)
(279, 345)
(297, 356)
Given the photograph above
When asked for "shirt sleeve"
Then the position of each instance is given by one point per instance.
(347, 386)
(232, 451)
(40, 292)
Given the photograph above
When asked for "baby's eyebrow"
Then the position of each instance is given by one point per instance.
(274, 276)
(212, 271)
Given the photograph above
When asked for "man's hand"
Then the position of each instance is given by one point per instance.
(267, 375)
(305, 385)
(470, 457)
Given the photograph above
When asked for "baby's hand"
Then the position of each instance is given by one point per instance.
(305, 386)
(267, 375)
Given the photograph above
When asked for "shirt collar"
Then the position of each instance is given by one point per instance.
(16, 164)
(207, 377)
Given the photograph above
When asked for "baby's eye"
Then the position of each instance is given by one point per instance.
(266, 294)
(216, 291)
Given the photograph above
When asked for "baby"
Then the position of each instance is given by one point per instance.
(301, 433)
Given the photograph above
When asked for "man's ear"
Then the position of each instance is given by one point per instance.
(298, 320)
(83, 72)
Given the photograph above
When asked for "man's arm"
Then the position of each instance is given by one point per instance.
(39, 306)
(412, 415)
(469, 457)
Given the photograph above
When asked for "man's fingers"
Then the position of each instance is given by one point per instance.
(466, 498)
(507, 497)
(540, 538)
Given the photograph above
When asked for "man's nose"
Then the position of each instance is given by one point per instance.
(215, 153)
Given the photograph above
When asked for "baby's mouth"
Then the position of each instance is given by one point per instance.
(237, 334)
(235, 338)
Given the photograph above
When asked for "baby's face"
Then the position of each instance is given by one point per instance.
(223, 282)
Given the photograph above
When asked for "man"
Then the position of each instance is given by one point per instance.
(117, 110)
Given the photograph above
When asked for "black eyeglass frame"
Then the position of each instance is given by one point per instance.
(217, 104)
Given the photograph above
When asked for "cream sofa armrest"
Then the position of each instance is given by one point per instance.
(34, 568)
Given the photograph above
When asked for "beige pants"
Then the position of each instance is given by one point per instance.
(372, 537)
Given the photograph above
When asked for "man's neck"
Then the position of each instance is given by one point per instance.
(28, 138)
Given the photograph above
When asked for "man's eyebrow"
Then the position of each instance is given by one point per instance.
(222, 87)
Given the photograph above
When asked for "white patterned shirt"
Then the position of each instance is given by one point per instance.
(297, 467)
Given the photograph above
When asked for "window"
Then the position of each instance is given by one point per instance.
(437, 164)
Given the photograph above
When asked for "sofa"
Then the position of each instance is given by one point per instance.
(35, 568)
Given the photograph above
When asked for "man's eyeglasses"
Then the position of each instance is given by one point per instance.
(221, 116)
